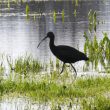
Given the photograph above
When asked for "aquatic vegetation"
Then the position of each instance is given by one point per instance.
(2, 69)
(34, 16)
(58, 65)
(54, 16)
(75, 12)
(98, 52)
(27, 9)
(57, 89)
(24, 65)
(76, 2)
(8, 4)
(92, 16)
(63, 15)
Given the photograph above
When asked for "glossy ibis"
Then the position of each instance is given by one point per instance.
(64, 53)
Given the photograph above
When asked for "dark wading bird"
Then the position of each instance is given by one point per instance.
(64, 53)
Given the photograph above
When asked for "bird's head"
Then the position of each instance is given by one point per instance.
(49, 35)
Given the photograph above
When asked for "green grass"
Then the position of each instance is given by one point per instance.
(48, 88)
(97, 103)
(27, 80)
(25, 65)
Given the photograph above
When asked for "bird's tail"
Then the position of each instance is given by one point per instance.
(86, 58)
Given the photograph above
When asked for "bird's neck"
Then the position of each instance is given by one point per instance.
(51, 44)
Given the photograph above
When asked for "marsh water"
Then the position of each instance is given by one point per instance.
(20, 35)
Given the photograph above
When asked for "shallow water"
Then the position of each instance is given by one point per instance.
(26, 104)
(20, 35)
(22, 104)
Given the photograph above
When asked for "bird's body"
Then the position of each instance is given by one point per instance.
(65, 53)
(68, 54)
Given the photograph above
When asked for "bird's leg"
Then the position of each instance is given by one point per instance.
(74, 70)
(62, 68)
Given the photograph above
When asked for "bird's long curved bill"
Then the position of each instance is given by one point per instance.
(41, 41)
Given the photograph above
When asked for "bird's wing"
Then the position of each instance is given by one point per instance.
(67, 52)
